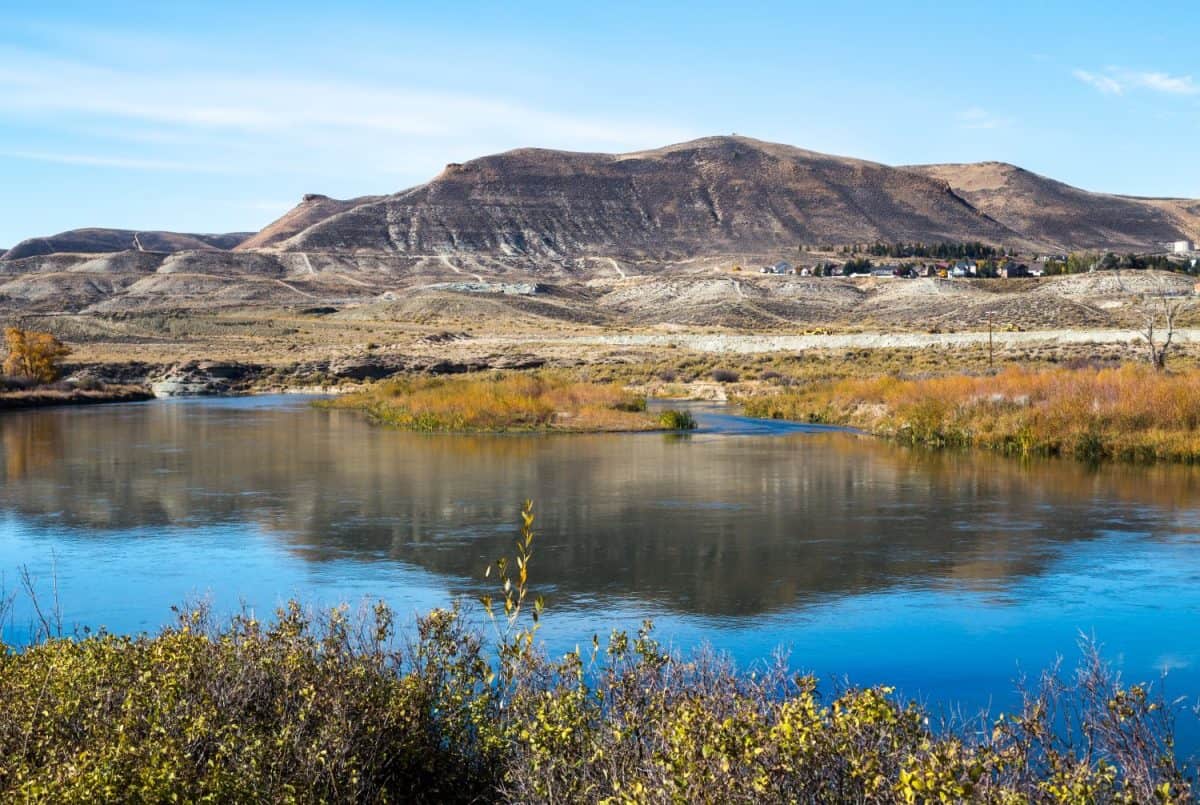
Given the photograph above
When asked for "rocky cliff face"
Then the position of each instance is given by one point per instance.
(682, 214)
(721, 194)
(312, 209)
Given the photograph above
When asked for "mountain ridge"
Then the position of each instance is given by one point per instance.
(713, 195)
(103, 240)
(1065, 216)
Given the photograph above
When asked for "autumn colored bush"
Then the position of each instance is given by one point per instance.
(501, 401)
(1128, 412)
(33, 355)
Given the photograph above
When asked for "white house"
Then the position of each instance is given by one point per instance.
(963, 269)
(1181, 246)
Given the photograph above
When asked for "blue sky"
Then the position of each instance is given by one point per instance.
(217, 116)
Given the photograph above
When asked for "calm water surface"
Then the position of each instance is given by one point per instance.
(947, 575)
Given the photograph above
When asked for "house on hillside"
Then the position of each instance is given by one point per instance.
(962, 269)
(1010, 270)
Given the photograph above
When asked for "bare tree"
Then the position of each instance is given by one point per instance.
(1160, 309)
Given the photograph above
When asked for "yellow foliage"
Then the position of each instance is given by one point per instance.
(33, 355)
(1129, 412)
(502, 402)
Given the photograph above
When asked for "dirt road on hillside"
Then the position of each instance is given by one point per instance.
(733, 343)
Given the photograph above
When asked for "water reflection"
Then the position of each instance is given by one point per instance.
(714, 524)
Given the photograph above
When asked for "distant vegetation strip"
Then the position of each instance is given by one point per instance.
(1127, 413)
(42, 397)
(512, 401)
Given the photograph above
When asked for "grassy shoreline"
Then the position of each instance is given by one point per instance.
(500, 402)
(1126, 413)
(45, 398)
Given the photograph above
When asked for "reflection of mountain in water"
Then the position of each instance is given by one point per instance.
(715, 525)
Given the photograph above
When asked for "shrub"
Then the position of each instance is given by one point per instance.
(673, 419)
(329, 707)
(500, 401)
(1092, 413)
(724, 375)
(33, 355)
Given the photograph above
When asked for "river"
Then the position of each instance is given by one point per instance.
(945, 574)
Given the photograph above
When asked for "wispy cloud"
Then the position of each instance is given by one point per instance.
(1162, 82)
(101, 161)
(1104, 83)
(293, 108)
(345, 134)
(978, 118)
(1118, 80)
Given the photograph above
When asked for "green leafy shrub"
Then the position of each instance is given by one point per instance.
(674, 419)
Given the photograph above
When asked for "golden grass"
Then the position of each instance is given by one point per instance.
(1128, 413)
(38, 397)
(496, 402)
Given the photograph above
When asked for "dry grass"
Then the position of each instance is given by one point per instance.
(1127, 413)
(502, 402)
(39, 397)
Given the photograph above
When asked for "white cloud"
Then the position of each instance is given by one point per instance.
(104, 161)
(1117, 80)
(978, 118)
(1162, 82)
(1106, 84)
(347, 135)
(291, 106)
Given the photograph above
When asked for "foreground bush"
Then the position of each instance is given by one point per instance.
(336, 708)
(501, 402)
(328, 709)
(1131, 413)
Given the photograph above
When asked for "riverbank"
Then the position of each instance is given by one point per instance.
(507, 402)
(337, 707)
(1126, 413)
(43, 398)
